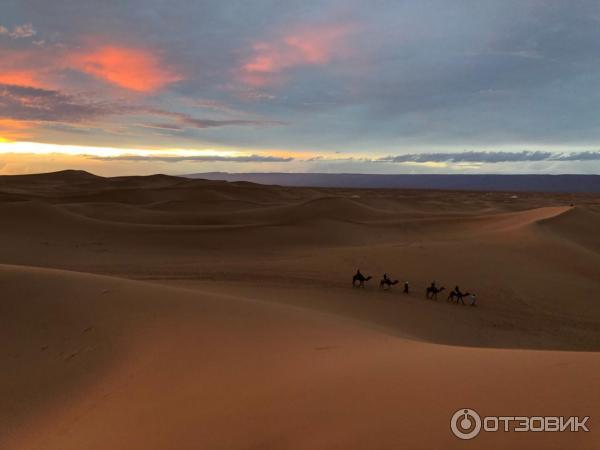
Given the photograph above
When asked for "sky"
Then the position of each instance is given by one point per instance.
(407, 86)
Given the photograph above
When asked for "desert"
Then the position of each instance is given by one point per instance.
(162, 312)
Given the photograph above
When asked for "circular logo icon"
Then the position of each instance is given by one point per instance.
(465, 423)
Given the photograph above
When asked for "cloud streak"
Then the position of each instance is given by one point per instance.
(194, 122)
(490, 157)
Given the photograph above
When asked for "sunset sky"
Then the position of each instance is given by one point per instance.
(182, 86)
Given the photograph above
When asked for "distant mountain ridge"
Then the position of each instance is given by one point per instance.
(522, 183)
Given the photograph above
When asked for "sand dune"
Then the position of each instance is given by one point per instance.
(108, 363)
(579, 226)
(228, 321)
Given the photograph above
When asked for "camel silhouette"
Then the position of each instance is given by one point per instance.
(431, 292)
(386, 283)
(458, 296)
(361, 280)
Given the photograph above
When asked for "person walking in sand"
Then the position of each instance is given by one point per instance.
(473, 300)
(405, 287)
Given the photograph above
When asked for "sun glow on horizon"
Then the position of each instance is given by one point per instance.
(38, 148)
(20, 157)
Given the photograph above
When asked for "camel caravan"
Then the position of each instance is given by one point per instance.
(431, 292)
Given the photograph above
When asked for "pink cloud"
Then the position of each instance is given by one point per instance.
(26, 67)
(130, 68)
(22, 77)
(301, 46)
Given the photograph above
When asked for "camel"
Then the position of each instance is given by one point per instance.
(387, 282)
(361, 280)
(432, 292)
(456, 294)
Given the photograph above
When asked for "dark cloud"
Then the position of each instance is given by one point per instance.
(187, 120)
(34, 104)
(579, 156)
(44, 105)
(196, 158)
(162, 126)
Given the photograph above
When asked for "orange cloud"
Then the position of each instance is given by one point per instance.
(13, 130)
(28, 78)
(25, 67)
(303, 46)
(135, 69)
